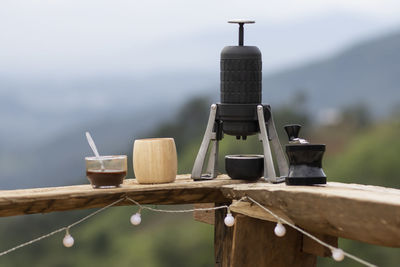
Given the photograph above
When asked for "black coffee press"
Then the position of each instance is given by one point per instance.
(305, 160)
(240, 112)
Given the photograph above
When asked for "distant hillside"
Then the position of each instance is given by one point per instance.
(61, 160)
(368, 73)
(33, 109)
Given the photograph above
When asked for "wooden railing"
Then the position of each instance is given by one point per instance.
(365, 213)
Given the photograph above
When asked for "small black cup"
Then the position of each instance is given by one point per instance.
(245, 167)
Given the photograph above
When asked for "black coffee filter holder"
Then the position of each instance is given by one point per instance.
(245, 167)
(240, 112)
(305, 160)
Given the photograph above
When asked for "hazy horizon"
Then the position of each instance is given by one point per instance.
(73, 40)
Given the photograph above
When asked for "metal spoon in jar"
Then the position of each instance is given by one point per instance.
(94, 148)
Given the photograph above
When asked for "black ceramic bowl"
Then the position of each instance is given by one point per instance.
(244, 167)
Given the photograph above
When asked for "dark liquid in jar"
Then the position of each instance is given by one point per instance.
(100, 178)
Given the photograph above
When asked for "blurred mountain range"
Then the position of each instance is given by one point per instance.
(367, 73)
(43, 121)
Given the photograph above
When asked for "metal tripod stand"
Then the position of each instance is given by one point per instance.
(266, 135)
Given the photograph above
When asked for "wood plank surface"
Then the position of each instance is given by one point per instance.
(254, 211)
(42, 200)
(369, 214)
(366, 213)
(205, 216)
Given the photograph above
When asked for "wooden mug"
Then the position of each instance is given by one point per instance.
(155, 160)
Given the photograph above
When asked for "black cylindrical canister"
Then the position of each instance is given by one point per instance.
(241, 75)
(240, 87)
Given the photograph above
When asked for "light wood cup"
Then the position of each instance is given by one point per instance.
(155, 160)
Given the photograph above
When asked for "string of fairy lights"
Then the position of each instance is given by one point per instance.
(279, 230)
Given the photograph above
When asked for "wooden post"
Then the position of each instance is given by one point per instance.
(222, 238)
(255, 244)
(312, 247)
(252, 242)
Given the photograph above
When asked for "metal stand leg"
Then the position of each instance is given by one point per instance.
(269, 170)
(212, 165)
(276, 146)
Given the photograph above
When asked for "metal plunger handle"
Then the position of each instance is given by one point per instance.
(241, 22)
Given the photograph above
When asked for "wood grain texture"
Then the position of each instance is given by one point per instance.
(155, 160)
(222, 239)
(255, 244)
(314, 248)
(42, 200)
(308, 245)
(205, 216)
(254, 211)
(365, 213)
(369, 214)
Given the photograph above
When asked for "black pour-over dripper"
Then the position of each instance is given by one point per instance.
(305, 160)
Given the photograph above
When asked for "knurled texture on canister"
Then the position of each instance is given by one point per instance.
(241, 75)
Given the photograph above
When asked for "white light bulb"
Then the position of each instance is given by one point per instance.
(229, 220)
(280, 230)
(68, 241)
(337, 254)
(136, 219)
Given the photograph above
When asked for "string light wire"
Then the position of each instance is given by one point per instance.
(279, 219)
(32, 241)
(177, 211)
(308, 234)
(65, 228)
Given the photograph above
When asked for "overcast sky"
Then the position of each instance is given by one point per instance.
(97, 36)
